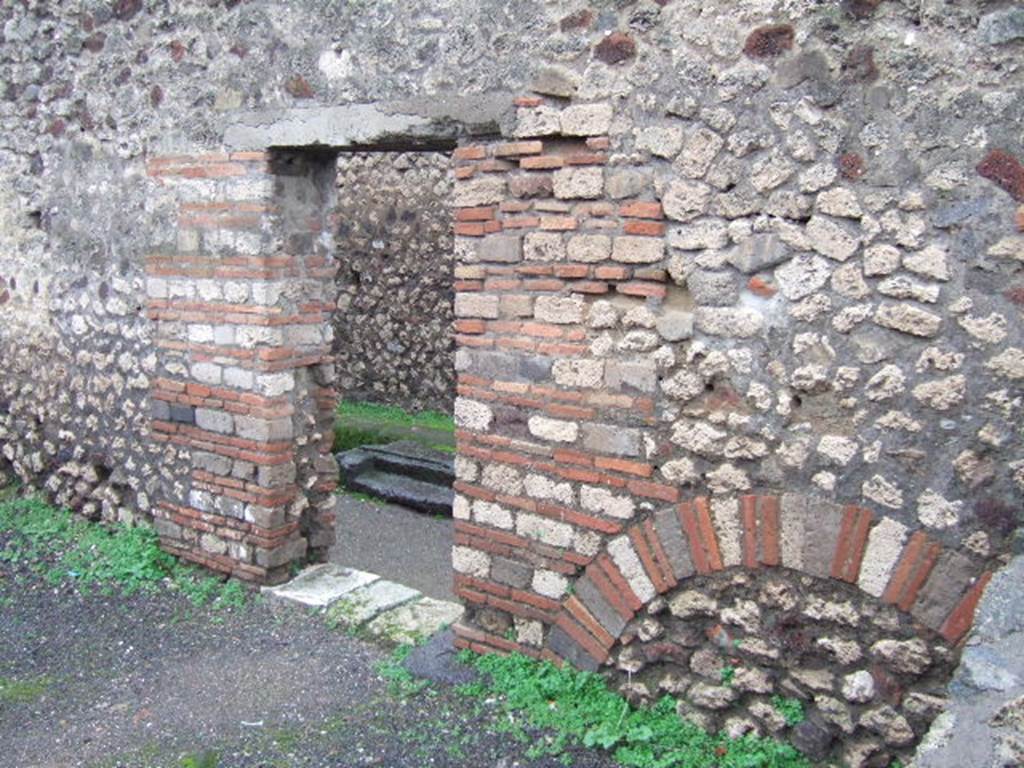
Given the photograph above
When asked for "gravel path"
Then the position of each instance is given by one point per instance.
(409, 547)
(149, 682)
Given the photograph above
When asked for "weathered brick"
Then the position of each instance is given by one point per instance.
(821, 537)
(674, 543)
(611, 438)
(915, 565)
(947, 583)
(599, 607)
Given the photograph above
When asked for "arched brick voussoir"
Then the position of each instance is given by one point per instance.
(938, 587)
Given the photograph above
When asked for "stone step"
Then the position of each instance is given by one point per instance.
(415, 461)
(404, 473)
(367, 603)
(355, 599)
(404, 458)
(397, 489)
(319, 586)
(415, 621)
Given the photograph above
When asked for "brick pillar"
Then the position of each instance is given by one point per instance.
(243, 398)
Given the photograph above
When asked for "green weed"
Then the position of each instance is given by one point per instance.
(792, 710)
(400, 681)
(577, 708)
(347, 437)
(205, 759)
(728, 673)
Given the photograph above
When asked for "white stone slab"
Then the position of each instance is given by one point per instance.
(366, 603)
(321, 585)
(412, 622)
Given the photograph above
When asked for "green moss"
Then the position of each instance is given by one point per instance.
(23, 691)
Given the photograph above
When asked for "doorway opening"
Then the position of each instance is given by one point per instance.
(394, 349)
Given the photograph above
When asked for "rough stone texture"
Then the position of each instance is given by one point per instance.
(984, 723)
(710, 627)
(167, 286)
(393, 329)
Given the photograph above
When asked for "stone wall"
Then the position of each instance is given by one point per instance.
(393, 329)
(739, 286)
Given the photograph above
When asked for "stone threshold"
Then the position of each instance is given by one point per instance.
(364, 602)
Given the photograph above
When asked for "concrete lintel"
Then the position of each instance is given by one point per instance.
(421, 120)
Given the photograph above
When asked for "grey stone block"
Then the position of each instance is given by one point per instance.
(277, 475)
(160, 410)
(716, 289)
(949, 579)
(229, 507)
(501, 248)
(494, 365)
(214, 421)
(510, 572)
(595, 602)
(183, 414)
(611, 438)
(759, 252)
(535, 368)
(674, 542)
(568, 649)
(282, 555)
(639, 377)
(675, 325)
(320, 585)
(822, 522)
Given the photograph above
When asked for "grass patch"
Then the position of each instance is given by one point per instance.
(395, 416)
(61, 549)
(361, 424)
(347, 437)
(201, 760)
(577, 709)
(23, 691)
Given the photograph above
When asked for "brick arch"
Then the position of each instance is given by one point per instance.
(937, 586)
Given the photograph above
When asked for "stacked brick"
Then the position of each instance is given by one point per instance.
(537, 414)
(244, 394)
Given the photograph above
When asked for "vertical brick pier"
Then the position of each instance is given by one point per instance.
(244, 399)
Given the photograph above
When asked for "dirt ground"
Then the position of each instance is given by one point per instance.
(148, 681)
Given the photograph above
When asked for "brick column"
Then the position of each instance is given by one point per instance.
(553, 418)
(243, 398)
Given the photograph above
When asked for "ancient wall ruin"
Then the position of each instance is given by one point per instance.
(738, 317)
(393, 338)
